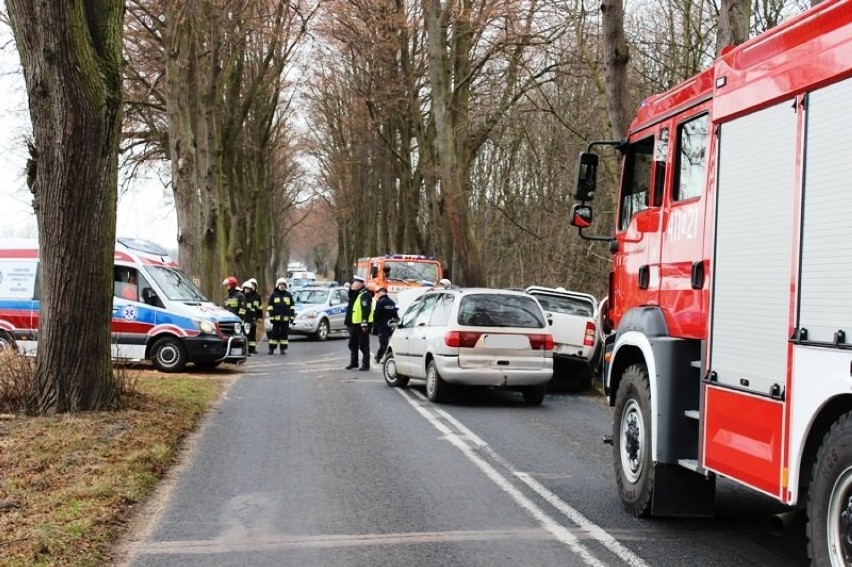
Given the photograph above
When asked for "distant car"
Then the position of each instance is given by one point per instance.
(319, 311)
(475, 337)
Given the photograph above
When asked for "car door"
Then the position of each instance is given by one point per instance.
(402, 334)
(337, 313)
(418, 340)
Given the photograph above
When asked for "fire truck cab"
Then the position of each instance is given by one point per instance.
(728, 294)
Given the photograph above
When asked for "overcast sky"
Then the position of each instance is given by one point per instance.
(144, 210)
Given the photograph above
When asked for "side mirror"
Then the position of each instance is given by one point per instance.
(586, 176)
(581, 216)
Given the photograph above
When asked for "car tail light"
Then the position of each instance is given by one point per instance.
(541, 342)
(461, 339)
(589, 340)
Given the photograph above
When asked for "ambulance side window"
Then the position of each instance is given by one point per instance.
(126, 283)
(691, 172)
(635, 192)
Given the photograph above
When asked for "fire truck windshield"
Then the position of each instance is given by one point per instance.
(402, 270)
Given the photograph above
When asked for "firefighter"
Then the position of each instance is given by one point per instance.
(253, 315)
(280, 309)
(236, 301)
(359, 318)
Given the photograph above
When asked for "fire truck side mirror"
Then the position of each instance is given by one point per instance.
(586, 176)
(581, 216)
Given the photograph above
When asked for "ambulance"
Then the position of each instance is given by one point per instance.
(158, 313)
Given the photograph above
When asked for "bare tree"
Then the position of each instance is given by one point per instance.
(616, 56)
(733, 23)
(72, 60)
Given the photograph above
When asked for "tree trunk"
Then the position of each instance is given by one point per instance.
(616, 58)
(71, 54)
(733, 23)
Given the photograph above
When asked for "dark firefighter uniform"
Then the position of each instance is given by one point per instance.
(254, 307)
(236, 303)
(280, 310)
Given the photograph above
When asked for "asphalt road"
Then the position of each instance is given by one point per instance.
(305, 463)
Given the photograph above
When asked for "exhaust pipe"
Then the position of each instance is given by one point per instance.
(784, 522)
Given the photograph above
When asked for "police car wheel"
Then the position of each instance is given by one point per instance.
(322, 330)
(168, 355)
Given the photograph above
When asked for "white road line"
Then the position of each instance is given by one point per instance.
(571, 513)
(559, 531)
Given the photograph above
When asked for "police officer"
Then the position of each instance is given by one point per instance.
(253, 314)
(385, 311)
(359, 317)
(280, 309)
(235, 302)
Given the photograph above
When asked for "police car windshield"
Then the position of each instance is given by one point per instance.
(402, 270)
(310, 296)
(175, 284)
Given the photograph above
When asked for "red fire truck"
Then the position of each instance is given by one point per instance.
(730, 295)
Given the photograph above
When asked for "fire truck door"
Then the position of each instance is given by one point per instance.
(750, 309)
(636, 262)
(683, 281)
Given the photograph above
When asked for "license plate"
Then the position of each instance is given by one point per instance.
(506, 341)
(236, 352)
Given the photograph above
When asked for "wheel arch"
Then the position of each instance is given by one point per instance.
(154, 339)
(820, 426)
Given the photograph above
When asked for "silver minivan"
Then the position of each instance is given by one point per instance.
(474, 337)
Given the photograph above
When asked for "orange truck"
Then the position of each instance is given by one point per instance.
(398, 272)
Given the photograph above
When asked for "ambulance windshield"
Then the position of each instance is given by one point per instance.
(175, 284)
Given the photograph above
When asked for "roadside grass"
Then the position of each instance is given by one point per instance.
(68, 484)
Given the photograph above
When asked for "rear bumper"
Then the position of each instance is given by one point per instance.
(448, 368)
(208, 348)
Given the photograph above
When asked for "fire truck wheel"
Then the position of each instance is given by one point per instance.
(830, 498)
(168, 355)
(392, 377)
(631, 433)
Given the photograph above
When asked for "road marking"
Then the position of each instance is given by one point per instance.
(560, 532)
(597, 533)
(271, 542)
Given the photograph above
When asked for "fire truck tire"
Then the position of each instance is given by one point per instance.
(392, 377)
(168, 355)
(830, 498)
(631, 434)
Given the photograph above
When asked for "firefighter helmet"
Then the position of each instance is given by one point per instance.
(230, 281)
(281, 281)
(247, 285)
(252, 282)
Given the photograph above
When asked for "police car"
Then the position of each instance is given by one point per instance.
(319, 311)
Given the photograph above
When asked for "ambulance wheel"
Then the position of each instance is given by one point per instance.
(7, 343)
(168, 355)
(322, 330)
(830, 498)
(631, 434)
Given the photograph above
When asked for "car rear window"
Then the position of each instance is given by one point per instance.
(500, 310)
(567, 305)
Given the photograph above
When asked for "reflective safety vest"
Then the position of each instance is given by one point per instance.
(358, 309)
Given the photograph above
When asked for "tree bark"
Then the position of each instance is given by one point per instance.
(733, 23)
(71, 53)
(616, 57)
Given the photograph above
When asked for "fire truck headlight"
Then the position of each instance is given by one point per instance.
(206, 327)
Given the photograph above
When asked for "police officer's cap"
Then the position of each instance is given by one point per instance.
(357, 279)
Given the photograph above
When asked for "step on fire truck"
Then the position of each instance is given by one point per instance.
(729, 296)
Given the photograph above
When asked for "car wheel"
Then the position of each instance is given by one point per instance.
(631, 433)
(392, 378)
(830, 498)
(7, 343)
(168, 355)
(534, 395)
(436, 387)
(322, 330)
